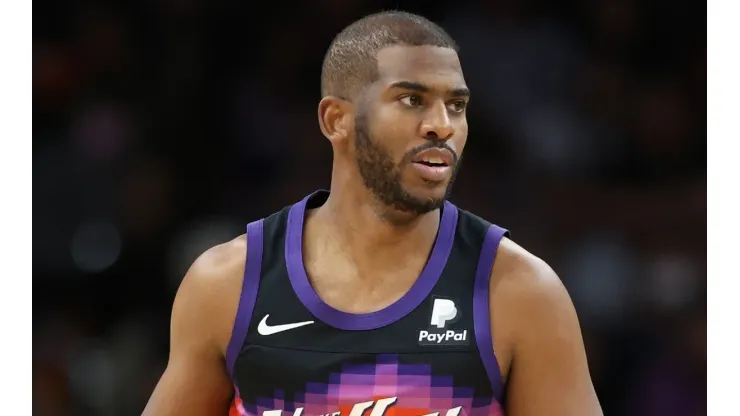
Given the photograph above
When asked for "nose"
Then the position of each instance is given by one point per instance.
(436, 124)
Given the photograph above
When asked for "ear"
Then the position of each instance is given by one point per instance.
(336, 118)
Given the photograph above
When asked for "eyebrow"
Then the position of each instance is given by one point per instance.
(415, 86)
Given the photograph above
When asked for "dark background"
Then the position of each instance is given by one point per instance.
(161, 128)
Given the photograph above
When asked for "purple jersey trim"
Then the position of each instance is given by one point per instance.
(248, 296)
(360, 322)
(482, 311)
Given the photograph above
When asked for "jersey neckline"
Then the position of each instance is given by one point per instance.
(421, 288)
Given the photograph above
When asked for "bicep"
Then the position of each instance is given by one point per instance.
(195, 380)
(190, 385)
(549, 373)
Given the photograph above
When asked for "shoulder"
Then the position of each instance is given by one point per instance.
(515, 271)
(527, 291)
(218, 270)
(209, 294)
(538, 331)
(521, 272)
(218, 263)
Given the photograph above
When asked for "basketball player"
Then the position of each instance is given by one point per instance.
(379, 297)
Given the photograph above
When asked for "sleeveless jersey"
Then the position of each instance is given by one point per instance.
(429, 353)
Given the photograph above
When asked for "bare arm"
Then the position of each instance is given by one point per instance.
(549, 373)
(195, 380)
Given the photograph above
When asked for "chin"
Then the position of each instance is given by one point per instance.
(430, 194)
(429, 190)
(428, 198)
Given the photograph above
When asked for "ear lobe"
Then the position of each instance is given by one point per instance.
(335, 118)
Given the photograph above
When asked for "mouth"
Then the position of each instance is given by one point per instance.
(436, 158)
(434, 165)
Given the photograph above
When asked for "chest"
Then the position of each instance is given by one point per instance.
(362, 287)
(401, 354)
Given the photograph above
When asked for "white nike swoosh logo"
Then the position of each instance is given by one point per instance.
(265, 329)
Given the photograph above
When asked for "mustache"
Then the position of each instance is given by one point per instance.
(430, 145)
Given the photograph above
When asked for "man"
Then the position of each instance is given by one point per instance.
(378, 297)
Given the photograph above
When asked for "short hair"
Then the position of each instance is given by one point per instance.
(350, 63)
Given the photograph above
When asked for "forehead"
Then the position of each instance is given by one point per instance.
(425, 64)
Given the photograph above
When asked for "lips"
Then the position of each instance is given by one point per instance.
(435, 157)
(433, 165)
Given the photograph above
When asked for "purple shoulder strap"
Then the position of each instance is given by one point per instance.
(248, 296)
(482, 309)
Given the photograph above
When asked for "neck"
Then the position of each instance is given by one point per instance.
(366, 227)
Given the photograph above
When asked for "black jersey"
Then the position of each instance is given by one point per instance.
(429, 353)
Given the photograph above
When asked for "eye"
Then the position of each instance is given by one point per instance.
(457, 106)
(412, 101)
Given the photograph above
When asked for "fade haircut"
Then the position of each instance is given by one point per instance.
(350, 63)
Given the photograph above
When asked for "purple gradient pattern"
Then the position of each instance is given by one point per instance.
(418, 392)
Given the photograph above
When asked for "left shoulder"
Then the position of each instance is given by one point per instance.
(528, 296)
(518, 277)
(525, 276)
(536, 327)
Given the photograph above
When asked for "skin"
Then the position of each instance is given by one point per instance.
(195, 381)
(368, 243)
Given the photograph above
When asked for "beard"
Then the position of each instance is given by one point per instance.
(383, 177)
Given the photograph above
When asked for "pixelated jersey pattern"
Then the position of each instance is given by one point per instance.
(418, 393)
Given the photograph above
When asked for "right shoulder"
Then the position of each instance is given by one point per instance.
(219, 264)
(210, 291)
(195, 380)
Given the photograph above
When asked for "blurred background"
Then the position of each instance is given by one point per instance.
(162, 127)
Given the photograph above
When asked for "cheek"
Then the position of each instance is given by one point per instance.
(460, 138)
(394, 130)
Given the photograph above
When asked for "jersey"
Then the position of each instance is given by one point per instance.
(429, 353)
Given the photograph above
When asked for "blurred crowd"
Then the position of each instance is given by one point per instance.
(161, 128)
